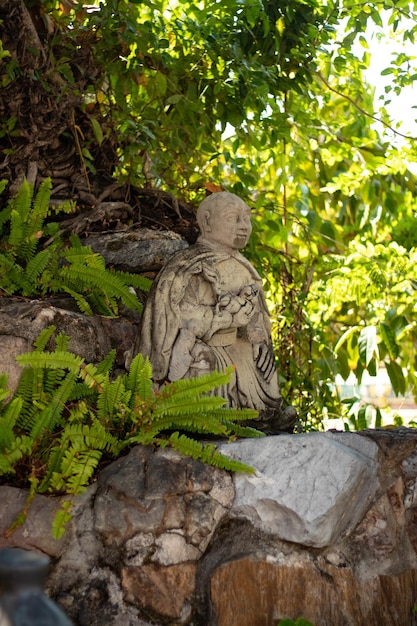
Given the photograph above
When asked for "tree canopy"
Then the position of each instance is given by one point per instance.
(264, 98)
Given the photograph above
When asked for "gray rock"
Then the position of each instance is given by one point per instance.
(309, 489)
(91, 337)
(136, 251)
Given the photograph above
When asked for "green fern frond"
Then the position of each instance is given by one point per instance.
(104, 281)
(7, 422)
(42, 339)
(135, 280)
(206, 453)
(186, 405)
(81, 301)
(105, 366)
(4, 390)
(242, 431)
(19, 448)
(51, 415)
(16, 230)
(56, 454)
(139, 379)
(203, 424)
(114, 396)
(37, 264)
(82, 391)
(77, 467)
(54, 360)
(61, 519)
(196, 386)
(13, 276)
(228, 414)
(30, 390)
(83, 447)
(92, 377)
(62, 342)
(83, 255)
(104, 303)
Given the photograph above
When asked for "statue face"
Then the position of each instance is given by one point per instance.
(230, 227)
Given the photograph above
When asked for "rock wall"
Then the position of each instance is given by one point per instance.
(325, 529)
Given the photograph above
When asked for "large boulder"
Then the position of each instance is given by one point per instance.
(304, 488)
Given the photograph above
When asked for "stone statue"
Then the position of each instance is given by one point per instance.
(206, 310)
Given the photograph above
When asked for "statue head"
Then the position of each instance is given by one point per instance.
(224, 218)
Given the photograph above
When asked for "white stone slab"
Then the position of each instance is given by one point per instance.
(309, 489)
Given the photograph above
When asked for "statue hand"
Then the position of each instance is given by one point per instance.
(181, 357)
(264, 359)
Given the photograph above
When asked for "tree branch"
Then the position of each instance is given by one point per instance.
(361, 110)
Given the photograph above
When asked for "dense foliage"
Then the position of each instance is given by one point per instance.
(266, 98)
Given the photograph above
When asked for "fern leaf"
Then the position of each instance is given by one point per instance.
(77, 468)
(13, 276)
(37, 265)
(61, 519)
(206, 453)
(50, 416)
(54, 360)
(135, 280)
(42, 339)
(198, 385)
(81, 301)
(62, 342)
(106, 282)
(92, 377)
(139, 379)
(19, 448)
(105, 366)
(112, 397)
(30, 390)
(228, 414)
(191, 423)
(8, 421)
(242, 431)
(4, 391)
(186, 405)
(54, 465)
(103, 303)
(82, 391)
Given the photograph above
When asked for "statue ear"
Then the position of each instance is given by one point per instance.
(206, 221)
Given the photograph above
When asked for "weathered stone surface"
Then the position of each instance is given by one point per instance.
(91, 337)
(136, 251)
(36, 532)
(163, 591)
(304, 485)
(160, 492)
(11, 347)
(249, 591)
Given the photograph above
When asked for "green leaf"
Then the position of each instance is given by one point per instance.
(368, 345)
(97, 130)
(396, 377)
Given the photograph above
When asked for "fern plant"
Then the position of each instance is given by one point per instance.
(67, 416)
(35, 261)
